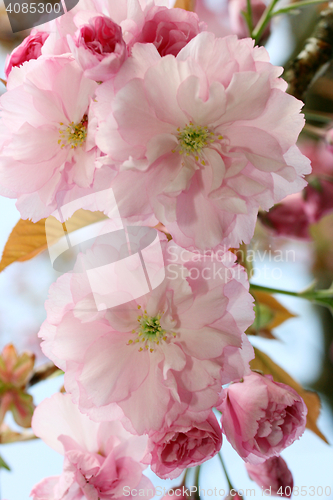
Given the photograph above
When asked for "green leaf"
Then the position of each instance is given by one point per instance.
(3, 464)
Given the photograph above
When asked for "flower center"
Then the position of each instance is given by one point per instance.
(149, 332)
(73, 135)
(193, 139)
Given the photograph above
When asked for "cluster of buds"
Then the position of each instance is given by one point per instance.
(15, 371)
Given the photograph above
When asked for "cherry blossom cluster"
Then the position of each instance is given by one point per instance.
(155, 367)
(190, 131)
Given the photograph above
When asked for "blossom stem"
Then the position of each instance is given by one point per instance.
(263, 21)
(318, 116)
(267, 289)
(225, 472)
(16, 437)
(249, 15)
(196, 482)
(315, 131)
(321, 297)
(184, 478)
(295, 6)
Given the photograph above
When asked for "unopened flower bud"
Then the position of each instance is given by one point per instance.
(273, 474)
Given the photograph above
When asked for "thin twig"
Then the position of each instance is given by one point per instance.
(42, 373)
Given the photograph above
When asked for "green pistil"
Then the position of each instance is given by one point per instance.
(193, 139)
(73, 135)
(149, 333)
(150, 326)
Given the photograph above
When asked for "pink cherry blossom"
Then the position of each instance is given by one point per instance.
(99, 459)
(145, 22)
(168, 29)
(260, 417)
(130, 15)
(48, 145)
(99, 48)
(185, 444)
(218, 139)
(273, 474)
(166, 352)
(30, 48)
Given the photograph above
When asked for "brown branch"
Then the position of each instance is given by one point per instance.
(10, 436)
(42, 373)
(316, 53)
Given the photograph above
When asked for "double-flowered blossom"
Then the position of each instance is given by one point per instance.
(30, 48)
(202, 139)
(185, 444)
(160, 355)
(168, 29)
(99, 48)
(260, 417)
(100, 459)
(141, 21)
(144, 21)
(47, 140)
(48, 147)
